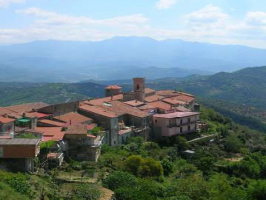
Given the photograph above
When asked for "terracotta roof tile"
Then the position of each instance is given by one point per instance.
(100, 101)
(73, 118)
(53, 123)
(37, 114)
(153, 98)
(5, 120)
(167, 93)
(50, 133)
(174, 101)
(113, 87)
(134, 103)
(185, 98)
(98, 110)
(149, 90)
(161, 105)
(121, 108)
(23, 108)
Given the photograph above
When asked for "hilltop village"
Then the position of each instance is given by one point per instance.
(79, 129)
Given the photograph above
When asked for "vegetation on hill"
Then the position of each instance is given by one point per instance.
(51, 93)
(230, 164)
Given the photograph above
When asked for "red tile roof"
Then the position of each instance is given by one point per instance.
(167, 93)
(23, 108)
(161, 105)
(100, 101)
(153, 98)
(98, 110)
(5, 120)
(174, 101)
(53, 123)
(50, 133)
(182, 109)
(121, 108)
(185, 98)
(37, 114)
(134, 103)
(113, 87)
(147, 106)
(73, 118)
(4, 111)
(176, 115)
(91, 126)
(149, 90)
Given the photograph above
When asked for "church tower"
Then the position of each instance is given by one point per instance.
(139, 89)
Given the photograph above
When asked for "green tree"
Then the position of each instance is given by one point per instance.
(120, 179)
(233, 144)
(168, 167)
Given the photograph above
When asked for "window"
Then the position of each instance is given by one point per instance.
(188, 120)
(188, 128)
(172, 122)
(156, 121)
(181, 129)
(137, 87)
(181, 121)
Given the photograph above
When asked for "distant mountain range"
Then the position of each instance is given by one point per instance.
(121, 58)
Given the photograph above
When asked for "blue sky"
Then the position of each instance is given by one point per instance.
(215, 21)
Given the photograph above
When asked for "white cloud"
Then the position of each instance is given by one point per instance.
(207, 18)
(5, 3)
(53, 18)
(165, 4)
(209, 24)
(256, 18)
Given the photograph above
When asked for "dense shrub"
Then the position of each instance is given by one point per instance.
(120, 179)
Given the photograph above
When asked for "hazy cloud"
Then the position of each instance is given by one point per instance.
(53, 18)
(5, 3)
(208, 17)
(165, 4)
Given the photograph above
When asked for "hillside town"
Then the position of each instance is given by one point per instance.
(79, 129)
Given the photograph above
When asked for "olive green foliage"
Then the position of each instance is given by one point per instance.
(95, 131)
(181, 143)
(252, 166)
(27, 136)
(209, 174)
(120, 179)
(233, 143)
(143, 167)
(8, 193)
(45, 146)
(84, 192)
(18, 182)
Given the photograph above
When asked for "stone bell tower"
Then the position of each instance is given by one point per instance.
(139, 89)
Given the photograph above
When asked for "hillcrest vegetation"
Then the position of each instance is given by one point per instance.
(227, 162)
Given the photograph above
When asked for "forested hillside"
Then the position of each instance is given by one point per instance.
(18, 93)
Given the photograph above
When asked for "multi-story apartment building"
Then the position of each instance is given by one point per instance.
(176, 123)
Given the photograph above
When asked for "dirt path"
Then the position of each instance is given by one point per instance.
(106, 194)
